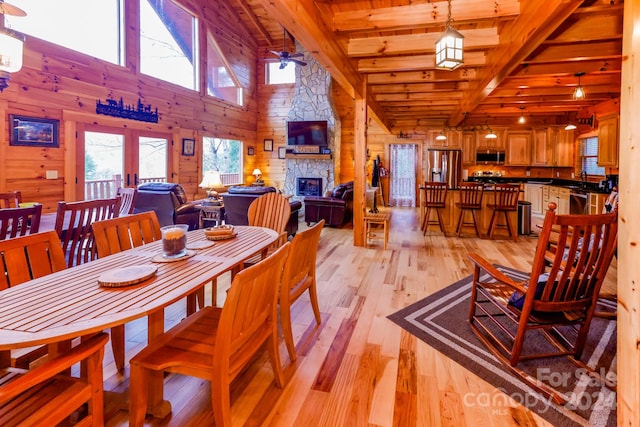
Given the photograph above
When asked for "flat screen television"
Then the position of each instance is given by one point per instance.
(307, 133)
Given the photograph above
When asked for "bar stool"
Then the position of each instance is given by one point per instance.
(435, 198)
(505, 201)
(470, 201)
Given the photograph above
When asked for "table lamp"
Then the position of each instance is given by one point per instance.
(210, 181)
(258, 174)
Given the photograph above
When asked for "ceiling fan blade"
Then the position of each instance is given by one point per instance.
(296, 55)
(9, 9)
(297, 61)
(278, 54)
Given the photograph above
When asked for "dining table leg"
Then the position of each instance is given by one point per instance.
(157, 405)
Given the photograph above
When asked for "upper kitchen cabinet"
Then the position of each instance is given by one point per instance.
(453, 139)
(608, 141)
(518, 149)
(491, 144)
(468, 148)
(552, 147)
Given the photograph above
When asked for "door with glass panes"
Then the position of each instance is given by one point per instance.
(115, 157)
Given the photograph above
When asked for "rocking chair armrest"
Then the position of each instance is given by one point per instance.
(498, 275)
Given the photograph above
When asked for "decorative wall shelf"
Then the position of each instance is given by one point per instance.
(308, 156)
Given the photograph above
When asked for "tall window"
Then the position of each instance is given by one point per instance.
(589, 156)
(168, 43)
(225, 156)
(222, 82)
(91, 27)
(403, 175)
(277, 75)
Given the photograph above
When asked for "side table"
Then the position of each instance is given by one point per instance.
(210, 213)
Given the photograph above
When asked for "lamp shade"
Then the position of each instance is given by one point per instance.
(10, 50)
(211, 179)
(256, 172)
(449, 49)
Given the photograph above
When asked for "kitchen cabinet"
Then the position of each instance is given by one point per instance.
(560, 196)
(518, 149)
(608, 141)
(553, 147)
(596, 203)
(491, 144)
(533, 194)
(453, 139)
(468, 148)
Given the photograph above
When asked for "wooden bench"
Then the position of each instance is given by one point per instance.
(377, 218)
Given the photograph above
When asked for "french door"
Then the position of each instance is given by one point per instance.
(109, 158)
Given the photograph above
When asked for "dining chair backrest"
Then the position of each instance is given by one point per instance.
(299, 276)
(29, 257)
(19, 221)
(271, 210)
(73, 225)
(128, 195)
(10, 199)
(125, 232)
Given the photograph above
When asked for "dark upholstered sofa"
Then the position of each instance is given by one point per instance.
(336, 209)
(238, 198)
(169, 201)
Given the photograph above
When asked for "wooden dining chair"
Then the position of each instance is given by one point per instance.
(556, 303)
(22, 259)
(271, 210)
(47, 396)
(19, 221)
(73, 225)
(505, 201)
(470, 202)
(215, 344)
(128, 195)
(299, 276)
(10, 199)
(435, 199)
(116, 235)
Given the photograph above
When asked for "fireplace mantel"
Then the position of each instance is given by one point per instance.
(308, 156)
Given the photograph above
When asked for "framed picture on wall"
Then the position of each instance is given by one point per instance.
(282, 152)
(188, 146)
(250, 151)
(268, 145)
(33, 132)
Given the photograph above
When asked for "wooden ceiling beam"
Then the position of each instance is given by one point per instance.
(423, 76)
(482, 38)
(610, 64)
(424, 15)
(419, 87)
(537, 21)
(251, 16)
(413, 63)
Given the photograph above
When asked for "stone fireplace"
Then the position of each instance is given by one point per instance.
(313, 101)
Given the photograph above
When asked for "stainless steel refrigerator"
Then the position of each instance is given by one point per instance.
(444, 166)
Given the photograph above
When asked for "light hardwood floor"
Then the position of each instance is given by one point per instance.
(357, 368)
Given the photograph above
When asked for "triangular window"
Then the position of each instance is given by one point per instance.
(222, 81)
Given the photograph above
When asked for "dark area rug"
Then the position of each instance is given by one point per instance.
(440, 320)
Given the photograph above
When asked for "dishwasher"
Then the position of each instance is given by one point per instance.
(578, 202)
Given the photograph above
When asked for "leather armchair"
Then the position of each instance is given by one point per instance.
(238, 198)
(336, 209)
(169, 201)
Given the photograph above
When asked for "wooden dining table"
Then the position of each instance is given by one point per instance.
(71, 303)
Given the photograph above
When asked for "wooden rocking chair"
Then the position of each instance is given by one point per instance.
(570, 263)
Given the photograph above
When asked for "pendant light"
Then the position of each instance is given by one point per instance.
(522, 120)
(441, 137)
(11, 44)
(449, 47)
(491, 135)
(579, 92)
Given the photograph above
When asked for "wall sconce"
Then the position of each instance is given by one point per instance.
(11, 45)
(449, 47)
(579, 92)
(522, 120)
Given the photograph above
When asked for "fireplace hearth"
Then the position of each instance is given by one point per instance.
(308, 186)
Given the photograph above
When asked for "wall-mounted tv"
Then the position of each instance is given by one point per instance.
(307, 133)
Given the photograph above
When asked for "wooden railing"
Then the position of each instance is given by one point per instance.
(106, 188)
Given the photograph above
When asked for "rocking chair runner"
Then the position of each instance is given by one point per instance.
(565, 280)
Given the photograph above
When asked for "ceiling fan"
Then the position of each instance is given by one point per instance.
(9, 9)
(285, 56)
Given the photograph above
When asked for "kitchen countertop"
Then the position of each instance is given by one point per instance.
(578, 186)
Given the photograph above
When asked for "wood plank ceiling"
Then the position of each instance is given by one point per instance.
(521, 57)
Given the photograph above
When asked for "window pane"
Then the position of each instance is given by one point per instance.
(589, 156)
(275, 75)
(103, 163)
(225, 156)
(153, 159)
(168, 43)
(90, 27)
(221, 82)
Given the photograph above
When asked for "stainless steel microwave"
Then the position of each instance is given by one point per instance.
(490, 157)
